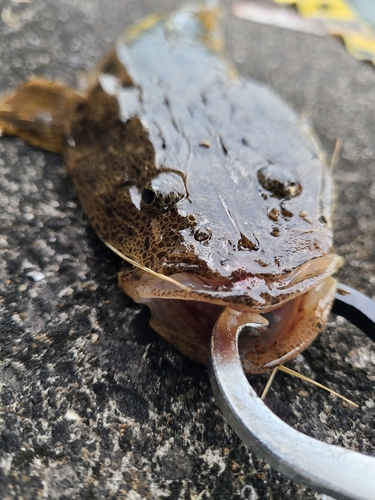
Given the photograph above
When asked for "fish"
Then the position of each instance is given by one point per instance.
(204, 181)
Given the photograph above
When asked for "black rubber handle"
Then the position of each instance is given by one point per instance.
(356, 308)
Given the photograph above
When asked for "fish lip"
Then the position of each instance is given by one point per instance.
(258, 293)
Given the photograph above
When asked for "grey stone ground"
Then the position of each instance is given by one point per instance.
(93, 403)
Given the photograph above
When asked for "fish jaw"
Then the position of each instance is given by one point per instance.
(270, 335)
(292, 328)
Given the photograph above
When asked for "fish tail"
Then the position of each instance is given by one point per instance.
(39, 112)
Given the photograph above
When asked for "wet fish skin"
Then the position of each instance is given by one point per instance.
(174, 93)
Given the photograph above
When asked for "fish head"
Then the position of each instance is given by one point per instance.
(233, 236)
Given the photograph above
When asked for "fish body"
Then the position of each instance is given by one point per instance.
(204, 180)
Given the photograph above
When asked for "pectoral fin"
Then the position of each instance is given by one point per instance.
(39, 112)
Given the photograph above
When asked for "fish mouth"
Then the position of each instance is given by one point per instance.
(278, 317)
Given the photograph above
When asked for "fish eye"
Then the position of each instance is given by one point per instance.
(164, 191)
(148, 196)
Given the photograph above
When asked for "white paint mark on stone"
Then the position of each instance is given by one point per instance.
(16, 318)
(164, 449)
(133, 495)
(214, 457)
(200, 496)
(94, 338)
(6, 462)
(65, 292)
(36, 275)
(249, 493)
(323, 417)
(114, 482)
(360, 357)
(50, 209)
(72, 416)
(71, 204)
(26, 264)
(45, 489)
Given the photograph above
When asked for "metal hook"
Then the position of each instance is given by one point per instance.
(336, 471)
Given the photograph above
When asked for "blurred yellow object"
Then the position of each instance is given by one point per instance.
(340, 19)
(361, 47)
(335, 10)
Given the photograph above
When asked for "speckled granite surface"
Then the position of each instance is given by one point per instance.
(93, 403)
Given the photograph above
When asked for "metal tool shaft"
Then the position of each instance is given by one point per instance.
(336, 471)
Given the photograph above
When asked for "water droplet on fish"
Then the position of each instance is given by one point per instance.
(279, 181)
(273, 214)
(202, 235)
